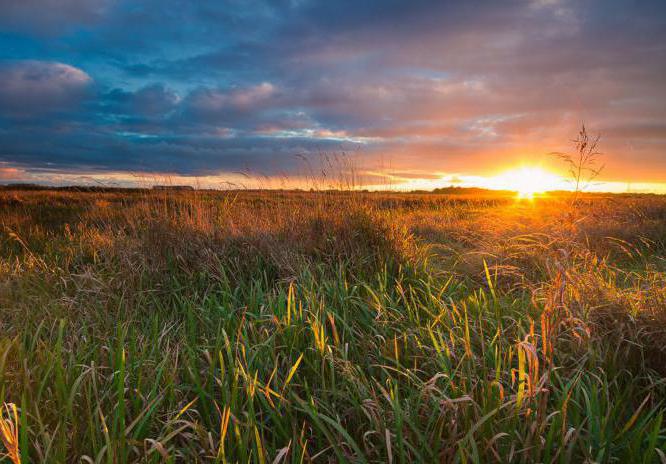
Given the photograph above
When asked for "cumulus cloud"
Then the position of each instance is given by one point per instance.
(38, 87)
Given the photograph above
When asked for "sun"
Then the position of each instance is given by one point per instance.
(528, 181)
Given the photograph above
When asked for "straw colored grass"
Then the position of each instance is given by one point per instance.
(331, 327)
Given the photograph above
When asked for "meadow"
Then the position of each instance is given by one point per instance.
(289, 327)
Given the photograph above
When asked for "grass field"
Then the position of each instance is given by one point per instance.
(332, 327)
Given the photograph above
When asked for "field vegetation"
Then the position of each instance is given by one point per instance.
(289, 327)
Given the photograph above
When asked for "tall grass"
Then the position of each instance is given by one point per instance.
(312, 327)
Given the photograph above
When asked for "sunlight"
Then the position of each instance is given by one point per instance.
(528, 181)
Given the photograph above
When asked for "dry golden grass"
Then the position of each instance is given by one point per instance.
(9, 432)
(332, 326)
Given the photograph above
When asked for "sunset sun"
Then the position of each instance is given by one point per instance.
(528, 181)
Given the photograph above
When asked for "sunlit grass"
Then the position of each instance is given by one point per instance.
(312, 327)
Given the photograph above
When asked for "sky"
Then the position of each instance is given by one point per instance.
(418, 94)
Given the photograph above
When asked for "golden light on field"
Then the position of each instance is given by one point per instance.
(527, 181)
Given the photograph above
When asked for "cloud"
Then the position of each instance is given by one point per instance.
(87, 149)
(218, 101)
(10, 173)
(50, 16)
(152, 100)
(247, 108)
(38, 87)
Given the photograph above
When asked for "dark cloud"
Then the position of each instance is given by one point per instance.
(151, 100)
(137, 152)
(36, 87)
(48, 17)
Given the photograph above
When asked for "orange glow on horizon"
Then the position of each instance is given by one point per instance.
(527, 181)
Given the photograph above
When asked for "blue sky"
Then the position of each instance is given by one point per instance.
(115, 88)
